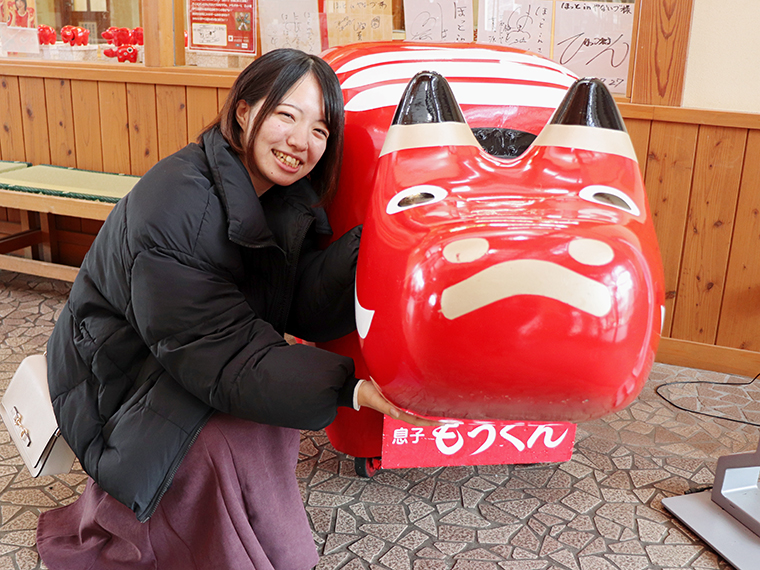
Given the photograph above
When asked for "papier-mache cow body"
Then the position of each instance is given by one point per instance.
(522, 283)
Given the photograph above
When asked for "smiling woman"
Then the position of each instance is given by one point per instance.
(173, 335)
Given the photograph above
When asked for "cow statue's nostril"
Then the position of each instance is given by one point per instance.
(590, 251)
(466, 250)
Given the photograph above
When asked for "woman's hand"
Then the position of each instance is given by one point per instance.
(369, 395)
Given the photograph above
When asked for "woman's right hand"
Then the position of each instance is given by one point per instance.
(369, 395)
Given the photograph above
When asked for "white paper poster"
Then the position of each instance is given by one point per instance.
(19, 40)
(438, 20)
(593, 39)
(290, 24)
(515, 23)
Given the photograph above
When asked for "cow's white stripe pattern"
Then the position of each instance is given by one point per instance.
(501, 94)
(449, 69)
(438, 54)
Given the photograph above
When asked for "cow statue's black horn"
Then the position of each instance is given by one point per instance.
(428, 99)
(589, 103)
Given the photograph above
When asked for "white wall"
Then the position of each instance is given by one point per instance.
(723, 65)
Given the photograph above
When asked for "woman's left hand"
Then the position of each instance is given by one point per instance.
(369, 395)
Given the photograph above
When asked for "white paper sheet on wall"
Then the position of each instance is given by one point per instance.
(516, 23)
(438, 20)
(593, 39)
(19, 40)
(290, 23)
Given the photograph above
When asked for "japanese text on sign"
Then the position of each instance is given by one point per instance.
(526, 25)
(475, 442)
(593, 39)
(351, 21)
(439, 20)
(290, 24)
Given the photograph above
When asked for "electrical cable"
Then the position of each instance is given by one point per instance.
(745, 422)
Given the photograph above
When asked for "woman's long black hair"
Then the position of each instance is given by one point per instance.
(270, 78)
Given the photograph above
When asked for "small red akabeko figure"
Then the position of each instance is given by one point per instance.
(509, 268)
(118, 36)
(138, 36)
(46, 35)
(75, 35)
(122, 53)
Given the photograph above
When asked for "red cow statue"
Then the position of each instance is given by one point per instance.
(117, 36)
(138, 37)
(46, 34)
(75, 35)
(509, 268)
(122, 53)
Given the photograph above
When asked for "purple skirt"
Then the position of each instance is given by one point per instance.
(233, 504)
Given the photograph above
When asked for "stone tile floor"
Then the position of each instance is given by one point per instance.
(601, 510)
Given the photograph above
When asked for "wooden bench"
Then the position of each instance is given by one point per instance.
(42, 192)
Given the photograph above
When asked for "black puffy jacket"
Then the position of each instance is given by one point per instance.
(179, 309)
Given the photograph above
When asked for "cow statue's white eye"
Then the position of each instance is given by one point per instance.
(609, 196)
(415, 196)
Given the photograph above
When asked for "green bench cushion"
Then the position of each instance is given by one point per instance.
(8, 165)
(69, 183)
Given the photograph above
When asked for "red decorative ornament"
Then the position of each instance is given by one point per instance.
(46, 34)
(118, 36)
(122, 53)
(138, 36)
(75, 35)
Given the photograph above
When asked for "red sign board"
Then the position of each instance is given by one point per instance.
(222, 25)
(475, 442)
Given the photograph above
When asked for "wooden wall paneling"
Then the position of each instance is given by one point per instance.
(670, 165)
(85, 104)
(34, 119)
(222, 96)
(638, 130)
(12, 131)
(114, 127)
(202, 108)
(712, 208)
(632, 58)
(143, 131)
(172, 119)
(158, 25)
(60, 119)
(179, 33)
(739, 325)
(708, 357)
(661, 48)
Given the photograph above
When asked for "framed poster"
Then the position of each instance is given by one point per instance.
(227, 26)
